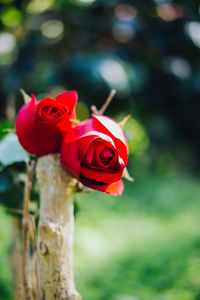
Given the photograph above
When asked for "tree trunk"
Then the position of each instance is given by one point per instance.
(55, 233)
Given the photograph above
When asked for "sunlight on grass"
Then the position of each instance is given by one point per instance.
(141, 246)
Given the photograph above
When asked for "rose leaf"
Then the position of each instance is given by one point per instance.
(11, 151)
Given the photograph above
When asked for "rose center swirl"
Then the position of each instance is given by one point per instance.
(52, 111)
(106, 156)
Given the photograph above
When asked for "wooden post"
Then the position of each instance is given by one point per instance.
(56, 228)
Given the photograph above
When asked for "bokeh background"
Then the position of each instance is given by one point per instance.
(144, 245)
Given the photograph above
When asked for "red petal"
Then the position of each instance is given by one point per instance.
(32, 103)
(84, 127)
(89, 155)
(36, 138)
(112, 132)
(86, 139)
(103, 176)
(68, 98)
(98, 147)
(111, 128)
(84, 144)
(115, 188)
(69, 155)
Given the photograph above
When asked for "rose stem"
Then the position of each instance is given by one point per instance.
(55, 232)
(105, 105)
(26, 232)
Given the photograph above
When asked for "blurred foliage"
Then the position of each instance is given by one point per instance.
(146, 245)
(5, 127)
(5, 238)
(147, 50)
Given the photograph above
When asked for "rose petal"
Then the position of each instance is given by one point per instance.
(83, 145)
(83, 127)
(115, 188)
(31, 105)
(88, 137)
(104, 175)
(99, 160)
(69, 155)
(114, 132)
(44, 110)
(69, 99)
(111, 128)
(107, 153)
(107, 157)
(98, 148)
(121, 162)
(89, 155)
(86, 126)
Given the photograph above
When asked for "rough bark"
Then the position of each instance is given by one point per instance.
(55, 233)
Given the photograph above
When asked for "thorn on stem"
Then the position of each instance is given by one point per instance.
(105, 105)
(94, 110)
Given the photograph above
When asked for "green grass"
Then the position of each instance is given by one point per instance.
(5, 245)
(144, 245)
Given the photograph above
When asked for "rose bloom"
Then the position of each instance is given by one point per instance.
(40, 126)
(96, 153)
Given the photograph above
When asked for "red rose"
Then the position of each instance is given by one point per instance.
(96, 154)
(40, 125)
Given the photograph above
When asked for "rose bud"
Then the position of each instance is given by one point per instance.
(40, 126)
(96, 153)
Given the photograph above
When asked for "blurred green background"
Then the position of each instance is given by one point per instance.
(144, 245)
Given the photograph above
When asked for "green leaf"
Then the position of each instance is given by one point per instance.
(5, 127)
(26, 97)
(11, 151)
